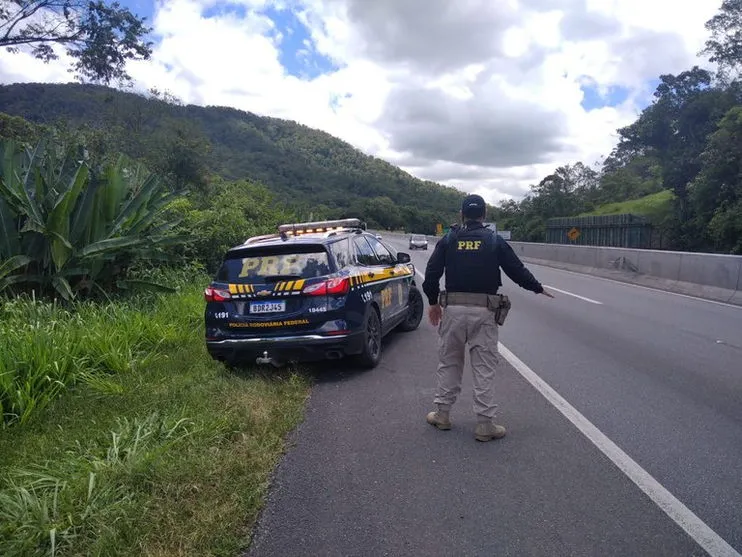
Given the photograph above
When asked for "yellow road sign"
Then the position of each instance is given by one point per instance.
(439, 229)
(573, 234)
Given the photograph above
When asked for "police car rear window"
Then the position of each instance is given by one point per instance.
(260, 265)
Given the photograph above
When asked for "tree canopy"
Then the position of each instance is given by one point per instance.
(101, 37)
(725, 42)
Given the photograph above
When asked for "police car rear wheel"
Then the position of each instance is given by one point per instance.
(415, 310)
(371, 354)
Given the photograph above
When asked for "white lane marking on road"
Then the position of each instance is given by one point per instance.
(622, 283)
(682, 515)
(419, 274)
(575, 295)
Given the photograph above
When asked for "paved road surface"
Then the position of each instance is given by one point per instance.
(650, 387)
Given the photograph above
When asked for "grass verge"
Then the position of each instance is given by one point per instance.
(656, 207)
(156, 450)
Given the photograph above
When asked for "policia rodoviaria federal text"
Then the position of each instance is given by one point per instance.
(470, 311)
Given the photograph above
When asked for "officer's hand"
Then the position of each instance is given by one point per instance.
(434, 314)
(547, 293)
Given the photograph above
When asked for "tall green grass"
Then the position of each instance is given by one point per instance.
(657, 207)
(47, 348)
(127, 438)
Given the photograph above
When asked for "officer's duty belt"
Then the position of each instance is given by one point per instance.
(497, 303)
(463, 299)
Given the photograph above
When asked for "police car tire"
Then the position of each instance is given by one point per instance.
(367, 359)
(411, 325)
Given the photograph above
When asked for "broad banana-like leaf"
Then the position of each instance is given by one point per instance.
(58, 225)
(11, 280)
(59, 238)
(31, 225)
(83, 215)
(153, 213)
(10, 177)
(115, 190)
(142, 197)
(97, 228)
(168, 240)
(10, 241)
(63, 287)
(162, 228)
(76, 271)
(16, 262)
(111, 244)
(10, 265)
(32, 174)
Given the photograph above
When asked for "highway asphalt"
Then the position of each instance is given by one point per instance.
(624, 414)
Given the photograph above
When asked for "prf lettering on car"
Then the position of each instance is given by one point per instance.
(469, 245)
(270, 265)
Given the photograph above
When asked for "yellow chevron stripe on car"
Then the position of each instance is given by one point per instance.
(299, 284)
(375, 276)
(241, 288)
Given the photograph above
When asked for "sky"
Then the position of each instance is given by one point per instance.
(488, 96)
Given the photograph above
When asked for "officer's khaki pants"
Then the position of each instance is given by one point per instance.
(477, 327)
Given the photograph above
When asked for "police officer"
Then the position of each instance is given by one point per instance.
(471, 256)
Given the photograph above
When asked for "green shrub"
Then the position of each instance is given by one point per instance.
(78, 229)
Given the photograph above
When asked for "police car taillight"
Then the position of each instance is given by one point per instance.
(216, 295)
(330, 287)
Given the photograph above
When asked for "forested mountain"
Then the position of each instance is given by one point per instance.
(303, 167)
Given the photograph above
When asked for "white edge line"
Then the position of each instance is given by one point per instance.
(419, 274)
(575, 295)
(631, 284)
(676, 510)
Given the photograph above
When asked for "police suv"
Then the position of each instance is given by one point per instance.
(313, 291)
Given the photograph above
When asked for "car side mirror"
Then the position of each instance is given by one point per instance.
(403, 257)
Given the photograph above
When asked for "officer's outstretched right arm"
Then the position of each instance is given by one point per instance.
(515, 269)
(434, 272)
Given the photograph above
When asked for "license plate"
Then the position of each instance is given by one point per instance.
(267, 307)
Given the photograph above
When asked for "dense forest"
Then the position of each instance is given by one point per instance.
(303, 167)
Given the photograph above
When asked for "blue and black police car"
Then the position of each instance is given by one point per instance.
(313, 291)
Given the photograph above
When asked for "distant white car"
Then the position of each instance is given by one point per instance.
(378, 236)
(418, 242)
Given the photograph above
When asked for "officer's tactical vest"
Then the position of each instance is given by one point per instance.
(472, 260)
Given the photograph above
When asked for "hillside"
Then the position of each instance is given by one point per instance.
(304, 167)
(657, 207)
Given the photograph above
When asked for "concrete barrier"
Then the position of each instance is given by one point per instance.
(706, 275)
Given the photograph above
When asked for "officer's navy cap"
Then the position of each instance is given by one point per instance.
(473, 205)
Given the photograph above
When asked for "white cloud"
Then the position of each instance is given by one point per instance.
(477, 94)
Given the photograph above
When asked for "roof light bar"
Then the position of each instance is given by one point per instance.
(259, 238)
(298, 228)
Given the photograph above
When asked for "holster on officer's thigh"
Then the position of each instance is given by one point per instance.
(500, 305)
